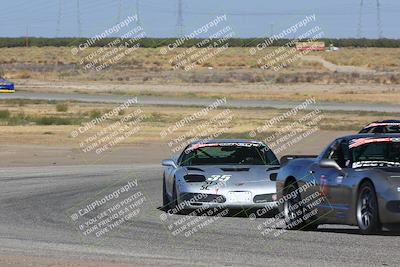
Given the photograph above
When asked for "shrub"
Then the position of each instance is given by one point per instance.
(53, 121)
(4, 114)
(62, 107)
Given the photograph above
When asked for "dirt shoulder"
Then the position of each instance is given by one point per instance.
(24, 155)
(322, 92)
(8, 260)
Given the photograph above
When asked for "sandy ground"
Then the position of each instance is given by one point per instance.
(20, 155)
(7, 260)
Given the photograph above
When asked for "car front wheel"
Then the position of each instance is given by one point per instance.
(292, 209)
(166, 201)
(367, 209)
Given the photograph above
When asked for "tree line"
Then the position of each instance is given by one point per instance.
(159, 42)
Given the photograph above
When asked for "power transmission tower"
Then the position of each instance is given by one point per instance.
(119, 11)
(78, 17)
(179, 21)
(378, 19)
(138, 22)
(359, 29)
(27, 36)
(272, 29)
(60, 9)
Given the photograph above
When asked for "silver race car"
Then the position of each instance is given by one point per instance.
(232, 173)
(354, 181)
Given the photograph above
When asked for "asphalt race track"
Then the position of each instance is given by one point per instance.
(36, 204)
(146, 100)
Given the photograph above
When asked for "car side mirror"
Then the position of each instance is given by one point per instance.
(331, 164)
(168, 163)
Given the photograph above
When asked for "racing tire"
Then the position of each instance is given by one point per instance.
(166, 201)
(367, 212)
(174, 201)
(292, 210)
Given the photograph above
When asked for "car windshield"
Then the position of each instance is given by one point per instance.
(375, 152)
(228, 154)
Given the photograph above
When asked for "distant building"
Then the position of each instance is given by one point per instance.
(310, 46)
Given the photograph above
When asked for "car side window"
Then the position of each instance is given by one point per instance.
(346, 154)
(338, 152)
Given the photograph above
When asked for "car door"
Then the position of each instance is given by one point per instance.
(339, 184)
(331, 182)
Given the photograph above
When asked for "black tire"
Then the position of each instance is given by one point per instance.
(166, 200)
(292, 210)
(367, 213)
(174, 201)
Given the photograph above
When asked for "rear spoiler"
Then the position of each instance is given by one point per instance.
(286, 158)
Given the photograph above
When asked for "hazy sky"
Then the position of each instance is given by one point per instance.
(251, 18)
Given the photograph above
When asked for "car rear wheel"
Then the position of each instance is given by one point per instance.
(367, 209)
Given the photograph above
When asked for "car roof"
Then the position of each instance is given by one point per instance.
(370, 125)
(216, 141)
(388, 121)
(366, 135)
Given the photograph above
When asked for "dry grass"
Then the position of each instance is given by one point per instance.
(233, 65)
(363, 93)
(373, 58)
(147, 58)
(158, 119)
